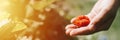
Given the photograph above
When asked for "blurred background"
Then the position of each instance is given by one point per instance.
(46, 20)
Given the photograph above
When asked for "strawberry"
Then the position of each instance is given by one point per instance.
(81, 21)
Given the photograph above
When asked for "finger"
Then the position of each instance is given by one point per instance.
(70, 26)
(73, 19)
(68, 31)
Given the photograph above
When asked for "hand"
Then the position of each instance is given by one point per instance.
(101, 17)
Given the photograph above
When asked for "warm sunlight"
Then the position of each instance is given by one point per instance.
(48, 20)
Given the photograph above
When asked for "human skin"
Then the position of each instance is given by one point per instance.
(101, 17)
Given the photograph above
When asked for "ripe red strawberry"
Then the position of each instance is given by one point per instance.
(81, 21)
